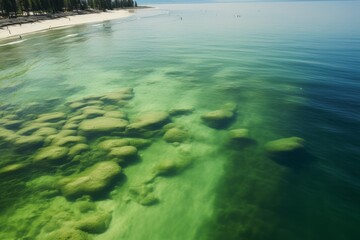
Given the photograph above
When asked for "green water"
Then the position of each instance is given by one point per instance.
(287, 72)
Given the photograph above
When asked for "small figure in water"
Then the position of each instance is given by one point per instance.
(20, 36)
(181, 18)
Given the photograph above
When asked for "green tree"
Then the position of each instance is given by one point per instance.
(9, 6)
(14, 7)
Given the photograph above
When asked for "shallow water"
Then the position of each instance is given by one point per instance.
(291, 68)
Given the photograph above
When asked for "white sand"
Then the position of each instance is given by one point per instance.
(17, 30)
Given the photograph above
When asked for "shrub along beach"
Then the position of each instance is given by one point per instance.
(19, 17)
(19, 30)
(14, 8)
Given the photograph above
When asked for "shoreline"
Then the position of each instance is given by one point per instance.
(18, 30)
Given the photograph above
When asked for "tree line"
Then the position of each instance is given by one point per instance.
(13, 8)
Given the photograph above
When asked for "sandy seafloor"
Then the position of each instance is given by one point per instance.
(277, 70)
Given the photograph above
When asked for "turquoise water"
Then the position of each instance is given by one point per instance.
(292, 70)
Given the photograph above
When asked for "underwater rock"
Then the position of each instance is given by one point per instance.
(143, 194)
(78, 148)
(149, 200)
(91, 98)
(51, 117)
(60, 135)
(85, 206)
(76, 105)
(170, 126)
(11, 113)
(169, 167)
(143, 133)
(13, 168)
(95, 102)
(68, 234)
(166, 167)
(44, 186)
(116, 97)
(115, 114)
(26, 142)
(230, 106)
(241, 133)
(45, 131)
(92, 111)
(185, 150)
(138, 142)
(31, 127)
(220, 118)
(76, 119)
(181, 111)
(94, 223)
(175, 135)
(285, 145)
(287, 151)
(123, 152)
(91, 181)
(11, 116)
(48, 194)
(66, 132)
(70, 126)
(110, 107)
(42, 183)
(119, 95)
(52, 154)
(240, 137)
(111, 143)
(102, 125)
(68, 140)
(8, 135)
(12, 124)
(150, 120)
(217, 118)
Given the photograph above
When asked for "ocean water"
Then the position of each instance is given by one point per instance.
(291, 69)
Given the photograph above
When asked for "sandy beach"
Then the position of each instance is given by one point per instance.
(16, 31)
